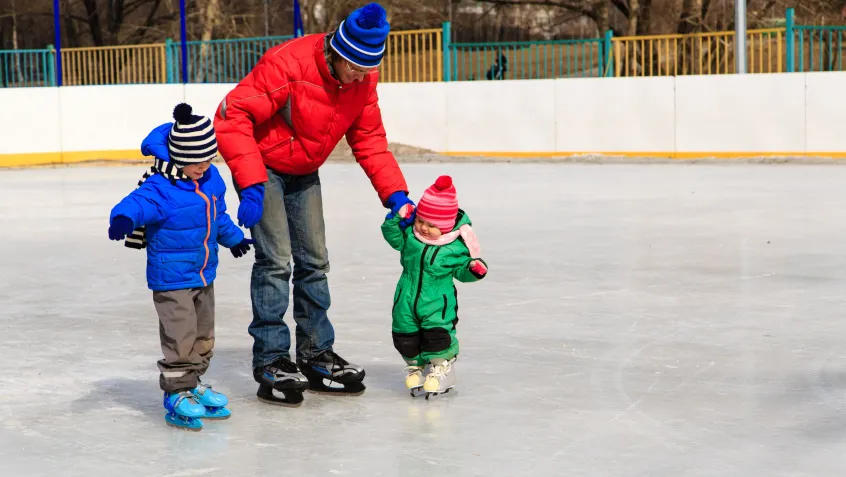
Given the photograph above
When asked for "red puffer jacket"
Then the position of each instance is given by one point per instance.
(289, 113)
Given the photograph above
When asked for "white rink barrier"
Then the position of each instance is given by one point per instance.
(722, 116)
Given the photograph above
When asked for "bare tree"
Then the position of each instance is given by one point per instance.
(114, 22)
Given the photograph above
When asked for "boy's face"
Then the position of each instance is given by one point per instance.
(196, 171)
(426, 229)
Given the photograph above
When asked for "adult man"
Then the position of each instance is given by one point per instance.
(274, 130)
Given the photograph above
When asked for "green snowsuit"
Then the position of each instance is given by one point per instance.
(425, 309)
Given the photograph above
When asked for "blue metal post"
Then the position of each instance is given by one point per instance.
(789, 32)
(606, 64)
(184, 40)
(57, 32)
(446, 35)
(298, 20)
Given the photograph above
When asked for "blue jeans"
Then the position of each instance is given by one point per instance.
(291, 227)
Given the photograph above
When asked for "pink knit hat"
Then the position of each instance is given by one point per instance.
(439, 204)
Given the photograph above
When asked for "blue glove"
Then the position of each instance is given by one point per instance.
(242, 248)
(252, 206)
(120, 227)
(395, 202)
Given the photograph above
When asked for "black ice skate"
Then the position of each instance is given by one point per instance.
(282, 376)
(330, 374)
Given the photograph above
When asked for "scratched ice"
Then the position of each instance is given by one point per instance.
(658, 320)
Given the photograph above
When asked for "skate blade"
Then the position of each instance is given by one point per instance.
(336, 393)
(218, 415)
(183, 425)
(438, 393)
(280, 403)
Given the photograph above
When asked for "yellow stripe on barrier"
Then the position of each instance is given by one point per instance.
(30, 159)
(58, 158)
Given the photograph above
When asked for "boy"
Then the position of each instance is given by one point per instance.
(181, 214)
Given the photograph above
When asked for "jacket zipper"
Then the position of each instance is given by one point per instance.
(208, 230)
(332, 121)
(215, 207)
(420, 279)
(432, 261)
(443, 312)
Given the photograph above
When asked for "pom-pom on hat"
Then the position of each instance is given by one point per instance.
(439, 204)
(361, 37)
(191, 139)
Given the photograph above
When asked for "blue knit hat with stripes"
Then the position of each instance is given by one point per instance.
(191, 139)
(361, 37)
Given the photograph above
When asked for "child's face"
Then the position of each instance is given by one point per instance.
(426, 229)
(196, 171)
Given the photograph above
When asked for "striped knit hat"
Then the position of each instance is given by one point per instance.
(361, 37)
(191, 140)
(439, 204)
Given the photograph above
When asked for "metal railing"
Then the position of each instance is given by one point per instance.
(697, 53)
(428, 56)
(132, 64)
(27, 68)
(526, 60)
(413, 56)
(218, 61)
(813, 48)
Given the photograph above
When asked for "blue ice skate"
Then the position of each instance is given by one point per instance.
(213, 401)
(183, 411)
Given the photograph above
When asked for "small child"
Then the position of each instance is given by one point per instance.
(179, 215)
(438, 247)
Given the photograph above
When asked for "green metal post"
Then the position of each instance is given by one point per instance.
(789, 32)
(51, 66)
(169, 60)
(446, 40)
(606, 56)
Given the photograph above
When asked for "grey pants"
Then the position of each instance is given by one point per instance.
(186, 331)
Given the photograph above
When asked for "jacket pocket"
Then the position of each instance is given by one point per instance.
(179, 267)
(444, 310)
(285, 142)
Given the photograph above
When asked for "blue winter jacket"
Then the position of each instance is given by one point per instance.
(155, 144)
(184, 222)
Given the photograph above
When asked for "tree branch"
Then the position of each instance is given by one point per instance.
(138, 34)
(622, 6)
(547, 3)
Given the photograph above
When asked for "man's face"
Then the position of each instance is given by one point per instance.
(348, 72)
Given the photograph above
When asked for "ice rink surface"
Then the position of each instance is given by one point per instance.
(638, 320)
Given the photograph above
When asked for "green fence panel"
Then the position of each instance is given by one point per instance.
(27, 68)
(219, 61)
(525, 60)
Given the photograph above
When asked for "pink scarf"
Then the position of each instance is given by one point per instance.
(465, 232)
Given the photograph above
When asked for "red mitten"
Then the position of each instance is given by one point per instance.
(478, 268)
(406, 211)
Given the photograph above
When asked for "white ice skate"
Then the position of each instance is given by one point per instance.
(441, 377)
(413, 379)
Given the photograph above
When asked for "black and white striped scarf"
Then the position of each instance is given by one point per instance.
(137, 238)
